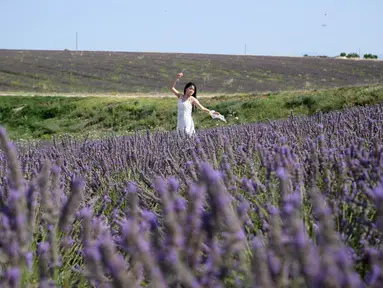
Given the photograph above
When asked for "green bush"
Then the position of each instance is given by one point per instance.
(370, 56)
(353, 55)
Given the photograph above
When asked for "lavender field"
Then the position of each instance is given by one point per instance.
(103, 72)
(287, 203)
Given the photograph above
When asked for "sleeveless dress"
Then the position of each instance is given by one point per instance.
(185, 123)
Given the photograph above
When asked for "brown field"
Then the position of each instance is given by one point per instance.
(135, 74)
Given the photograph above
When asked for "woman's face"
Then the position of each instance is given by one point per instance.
(190, 90)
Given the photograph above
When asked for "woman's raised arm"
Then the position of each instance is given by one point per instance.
(173, 89)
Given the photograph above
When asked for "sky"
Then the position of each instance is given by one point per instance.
(252, 27)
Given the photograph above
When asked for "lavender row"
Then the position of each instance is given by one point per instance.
(287, 203)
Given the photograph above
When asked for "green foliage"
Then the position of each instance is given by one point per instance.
(305, 100)
(353, 55)
(343, 54)
(370, 56)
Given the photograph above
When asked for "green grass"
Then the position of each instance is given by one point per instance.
(41, 117)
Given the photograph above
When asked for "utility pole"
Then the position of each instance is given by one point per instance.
(245, 49)
(76, 40)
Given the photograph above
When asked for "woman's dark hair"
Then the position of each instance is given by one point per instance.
(195, 91)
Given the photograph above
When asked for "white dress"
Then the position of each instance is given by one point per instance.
(185, 123)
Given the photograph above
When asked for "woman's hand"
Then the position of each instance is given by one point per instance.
(179, 75)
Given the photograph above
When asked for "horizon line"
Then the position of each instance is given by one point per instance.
(186, 53)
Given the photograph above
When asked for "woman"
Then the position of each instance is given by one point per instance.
(185, 123)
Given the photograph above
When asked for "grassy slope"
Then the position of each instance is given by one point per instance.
(42, 117)
(128, 72)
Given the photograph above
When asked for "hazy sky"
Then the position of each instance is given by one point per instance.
(268, 27)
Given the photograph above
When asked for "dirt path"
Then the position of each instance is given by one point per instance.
(123, 95)
(170, 95)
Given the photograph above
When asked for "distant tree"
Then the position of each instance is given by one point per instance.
(342, 54)
(305, 55)
(370, 56)
(353, 55)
